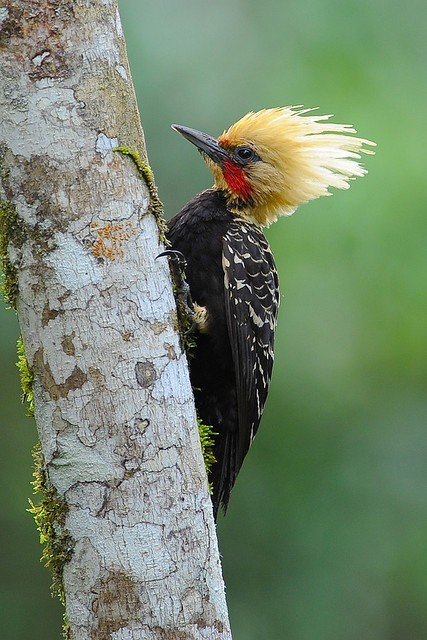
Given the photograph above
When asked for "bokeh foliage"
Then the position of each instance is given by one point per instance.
(326, 535)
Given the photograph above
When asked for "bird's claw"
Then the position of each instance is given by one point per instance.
(182, 290)
(176, 256)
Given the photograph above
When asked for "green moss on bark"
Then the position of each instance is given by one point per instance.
(27, 378)
(49, 515)
(144, 170)
(207, 440)
(12, 231)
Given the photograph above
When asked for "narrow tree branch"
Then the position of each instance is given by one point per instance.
(131, 511)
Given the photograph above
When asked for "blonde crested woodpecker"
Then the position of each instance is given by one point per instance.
(265, 165)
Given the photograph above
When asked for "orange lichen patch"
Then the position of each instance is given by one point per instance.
(110, 239)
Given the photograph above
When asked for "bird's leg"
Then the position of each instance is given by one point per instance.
(184, 301)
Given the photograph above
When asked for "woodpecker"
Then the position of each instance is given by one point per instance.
(264, 166)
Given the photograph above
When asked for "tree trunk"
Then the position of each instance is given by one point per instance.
(131, 528)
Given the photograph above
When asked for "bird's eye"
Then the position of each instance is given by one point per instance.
(245, 154)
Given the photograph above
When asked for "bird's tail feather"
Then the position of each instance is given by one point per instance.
(224, 471)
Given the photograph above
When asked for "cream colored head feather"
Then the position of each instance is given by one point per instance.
(300, 157)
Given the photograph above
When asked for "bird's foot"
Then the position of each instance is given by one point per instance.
(184, 301)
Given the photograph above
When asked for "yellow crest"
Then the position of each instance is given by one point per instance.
(301, 157)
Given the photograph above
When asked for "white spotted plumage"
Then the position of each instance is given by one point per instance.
(251, 303)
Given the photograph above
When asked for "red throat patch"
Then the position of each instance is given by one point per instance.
(236, 180)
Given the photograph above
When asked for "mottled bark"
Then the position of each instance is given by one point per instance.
(113, 402)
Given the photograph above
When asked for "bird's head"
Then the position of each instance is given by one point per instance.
(271, 161)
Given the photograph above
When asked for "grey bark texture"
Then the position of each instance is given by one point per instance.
(113, 401)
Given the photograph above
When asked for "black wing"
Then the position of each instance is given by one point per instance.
(251, 304)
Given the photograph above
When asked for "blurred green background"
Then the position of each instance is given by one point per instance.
(326, 535)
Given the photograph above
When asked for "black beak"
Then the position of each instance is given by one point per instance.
(205, 143)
